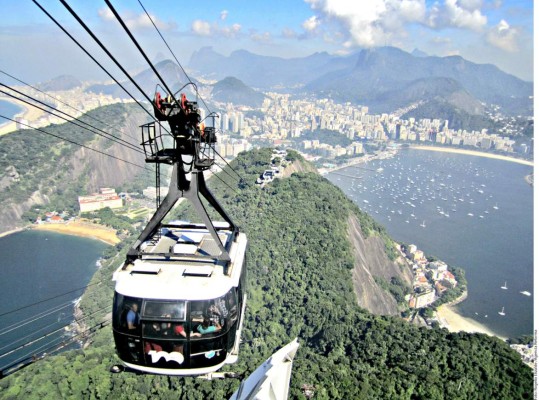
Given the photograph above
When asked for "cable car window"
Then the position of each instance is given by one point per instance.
(164, 310)
(127, 311)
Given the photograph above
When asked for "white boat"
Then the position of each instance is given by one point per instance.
(495, 206)
(526, 293)
(422, 224)
(504, 285)
(470, 214)
(502, 313)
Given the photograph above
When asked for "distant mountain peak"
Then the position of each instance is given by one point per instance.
(62, 82)
(418, 53)
(233, 90)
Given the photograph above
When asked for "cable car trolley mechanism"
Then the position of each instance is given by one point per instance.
(179, 298)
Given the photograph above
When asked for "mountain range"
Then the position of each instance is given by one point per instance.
(384, 79)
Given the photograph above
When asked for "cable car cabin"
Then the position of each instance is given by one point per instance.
(177, 312)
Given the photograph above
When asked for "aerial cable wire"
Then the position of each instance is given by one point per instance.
(75, 143)
(36, 317)
(31, 357)
(224, 171)
(49, 333)
(35, 332)
(99, 64)
(67, 120)
(29, 320)
(232, 169)
(84, 113)
(126, 29)
(226, 184)
(51, 298)
(89, 31)
(173, 55)
(112, 138)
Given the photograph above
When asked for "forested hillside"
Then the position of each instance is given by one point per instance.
(299, 285)
(29, 160)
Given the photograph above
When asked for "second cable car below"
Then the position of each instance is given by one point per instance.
(179, 298)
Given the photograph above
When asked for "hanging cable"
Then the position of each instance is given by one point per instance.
(89, 31)
(31, 357)
(114, 138)
(22, 339)
(224, 171)
(226, 184)
(27, 321)
(75, 143)
(84, 113)
(49, 334)
(232, 169)
(39, 316)
(50, 298)
(173, 55)
(126, 29)
(99, 64)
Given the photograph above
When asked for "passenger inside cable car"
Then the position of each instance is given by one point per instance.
(176, 334)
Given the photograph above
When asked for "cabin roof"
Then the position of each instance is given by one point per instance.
(188, 271)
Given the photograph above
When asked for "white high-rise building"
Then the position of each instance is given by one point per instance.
(224, 123)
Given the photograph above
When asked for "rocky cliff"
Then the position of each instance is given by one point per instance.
(370, 261)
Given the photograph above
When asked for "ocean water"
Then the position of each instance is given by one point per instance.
(36, 266)
(471, 212)
(9, 110)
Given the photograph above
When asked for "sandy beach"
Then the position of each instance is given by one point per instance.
(2, 234)
(455, 322)
(31, 114)
(473, 153)
(82, 229)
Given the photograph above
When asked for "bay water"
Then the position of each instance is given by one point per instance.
(8, 109)
(44, 268)
(471, 212)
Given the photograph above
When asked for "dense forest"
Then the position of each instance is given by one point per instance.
(299, 285)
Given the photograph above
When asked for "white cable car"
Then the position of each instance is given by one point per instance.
(179, 299)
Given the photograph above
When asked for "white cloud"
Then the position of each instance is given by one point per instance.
(373, 22)
(378, 22)
(457, 13)
(311, 24)
(136, 21)
(289, 33)
(503, 36)
(201, 28)
(230, 31)
(223, 15)
(471, 5)
(264, 37)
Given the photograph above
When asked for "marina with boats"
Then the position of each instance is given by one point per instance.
(471, 212)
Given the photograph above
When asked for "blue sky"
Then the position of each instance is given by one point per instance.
(498, 32)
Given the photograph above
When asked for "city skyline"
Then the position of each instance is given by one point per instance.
(495, 32)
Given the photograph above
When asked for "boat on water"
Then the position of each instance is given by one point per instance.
(504, 285)
(526, 293)
(422, 224)
(502, 313)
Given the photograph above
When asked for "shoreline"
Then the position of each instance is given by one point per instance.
(29, 114)
(81, 229)
(11, 232)
(450, 319)
(473, 153)
(385, 154)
